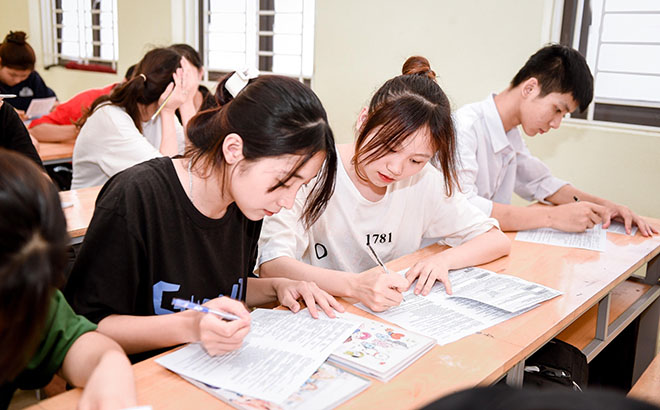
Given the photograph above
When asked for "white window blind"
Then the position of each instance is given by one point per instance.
(275, 36)
(84, 31)
(621, 42)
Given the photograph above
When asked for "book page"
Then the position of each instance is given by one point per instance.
(591, 239)
(481, 299)
(39, 107)
(327, 388)
(281, 351)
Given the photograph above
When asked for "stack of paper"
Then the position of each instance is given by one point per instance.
(480, 299)
(279, 354)
(328, 387)
(380, 350)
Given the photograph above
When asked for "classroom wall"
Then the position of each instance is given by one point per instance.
(474, 46)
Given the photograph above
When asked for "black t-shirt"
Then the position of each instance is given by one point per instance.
(32, 87)
(147, 243)
(14, 135)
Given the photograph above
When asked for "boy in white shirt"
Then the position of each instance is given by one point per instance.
(495, 162)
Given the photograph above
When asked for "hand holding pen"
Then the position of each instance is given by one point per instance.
(222, 325)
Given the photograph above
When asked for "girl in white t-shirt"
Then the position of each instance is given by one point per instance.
(119, 130)
(388, 196)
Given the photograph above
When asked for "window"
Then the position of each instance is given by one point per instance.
(81, 31)
(621, 42)
(275, 36)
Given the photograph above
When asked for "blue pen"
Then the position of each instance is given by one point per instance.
(186, 304)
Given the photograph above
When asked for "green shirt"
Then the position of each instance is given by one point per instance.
(61, 329)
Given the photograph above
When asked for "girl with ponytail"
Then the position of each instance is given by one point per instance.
(121, 130)
(188, 227)
(17, 75)
(388, 197)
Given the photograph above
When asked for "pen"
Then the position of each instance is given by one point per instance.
(186, 304)
(576, 198)
(7, 95)
(162, 105)
(378, 259)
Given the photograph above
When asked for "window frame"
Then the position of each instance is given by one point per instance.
(51, 18)
(624, 112)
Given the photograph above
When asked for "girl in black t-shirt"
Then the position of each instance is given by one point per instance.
(188, 227)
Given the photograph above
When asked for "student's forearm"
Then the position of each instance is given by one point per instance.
(519, 218)
(169, 146)
(90, 352)
(482, 249)
(138, 334)
(54, 133)
(187, 111)
(334, 282)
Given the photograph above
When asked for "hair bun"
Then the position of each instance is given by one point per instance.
(16, 37)
(418, 65)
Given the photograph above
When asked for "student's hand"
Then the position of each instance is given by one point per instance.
(177, 89)
(379, 291)
(111, 386)
(578, 216)
(289, 291)
(219, 336)
(191, 80)
(623, 214)
(427, 271)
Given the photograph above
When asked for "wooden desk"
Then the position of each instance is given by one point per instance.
(80, 213)
(56, 152)
(585, 277)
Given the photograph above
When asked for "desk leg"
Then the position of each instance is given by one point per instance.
(647, 339)
(514, 377)
(653, 271)
(603, 320)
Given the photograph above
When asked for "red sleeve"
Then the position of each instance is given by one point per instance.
(69, 112)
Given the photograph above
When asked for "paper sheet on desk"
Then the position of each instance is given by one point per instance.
(592, 239)
(480, 299)
(279, 354)
(618, 227)
(39, 107)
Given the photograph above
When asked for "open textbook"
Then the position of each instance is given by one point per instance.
(279, 354)
(591, 239)
(480, 299)
(326, 389)
(378, 349)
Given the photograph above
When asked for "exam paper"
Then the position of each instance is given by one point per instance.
(618, 227)
(279, 354)
(591, 239)
(39, 107)
(481, 299)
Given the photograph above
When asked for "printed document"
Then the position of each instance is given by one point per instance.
(481, 299)
(39, 107)
(618, 227)
(591, 239)
(279, 354)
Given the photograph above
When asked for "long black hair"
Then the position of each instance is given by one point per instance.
(33, 241)
(274, 115)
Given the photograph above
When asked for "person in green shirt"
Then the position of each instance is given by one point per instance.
(40, 335)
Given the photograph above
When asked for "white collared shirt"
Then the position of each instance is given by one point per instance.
(414, 212)
(493, 163)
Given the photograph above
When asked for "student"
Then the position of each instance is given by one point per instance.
(60, 124)
(13, 134)
(199, 97)
(17, 75)
(389, 197)
(119, 132)
(188, 227)
(39, 333)
(495, 161)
